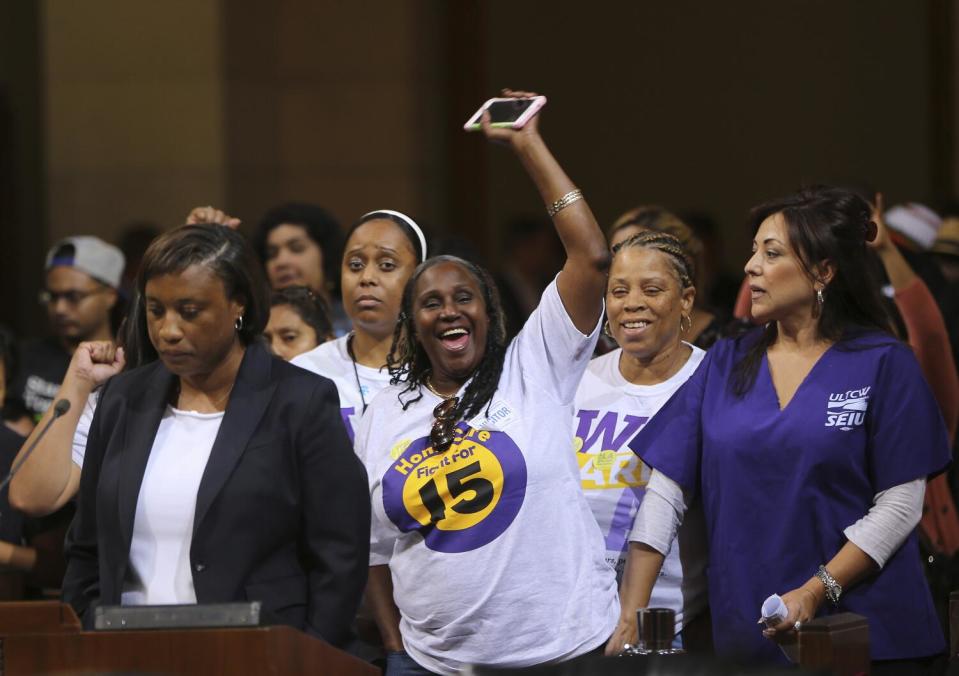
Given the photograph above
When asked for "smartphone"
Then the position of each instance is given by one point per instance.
(506, 112)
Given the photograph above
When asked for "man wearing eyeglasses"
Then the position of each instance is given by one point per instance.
(82, 275)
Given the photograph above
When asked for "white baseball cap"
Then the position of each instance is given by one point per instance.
(104, 262)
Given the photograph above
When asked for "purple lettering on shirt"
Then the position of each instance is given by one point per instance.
(622, 522)
(607, 428)
(347, 413)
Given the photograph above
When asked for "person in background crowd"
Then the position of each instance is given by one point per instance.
(15, 416)
(649, 297)
(945, 253)
(133, 241)
(300, 245)
(299, 321)
(382, 249)
(531, 260)
(476, 498)
(810, 441)
(946, 249)
(913, 228)
(82, 275)
(706, 325)
(12, 553)
(913, 225)
(720, 284)
(213, 438)
(927, 335)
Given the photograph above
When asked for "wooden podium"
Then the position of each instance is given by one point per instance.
(45, 637)
(836, 643)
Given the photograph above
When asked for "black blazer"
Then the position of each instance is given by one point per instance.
(282, 512)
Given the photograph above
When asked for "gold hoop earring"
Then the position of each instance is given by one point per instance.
(606, 329)
(689, 323)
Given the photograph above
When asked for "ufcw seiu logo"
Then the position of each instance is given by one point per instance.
(847, 409)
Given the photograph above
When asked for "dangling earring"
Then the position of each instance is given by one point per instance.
(606, 329)
(238, 324)
(689, 323)
(819, 298)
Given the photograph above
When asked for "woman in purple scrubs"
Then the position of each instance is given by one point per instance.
(809, 441)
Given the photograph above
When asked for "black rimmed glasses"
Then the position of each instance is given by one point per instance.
(73, 297)
(441, 435)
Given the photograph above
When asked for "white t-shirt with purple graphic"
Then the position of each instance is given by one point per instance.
(495, 556)
(332, 360)
(610, 411)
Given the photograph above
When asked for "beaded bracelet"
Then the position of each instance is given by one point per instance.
(564, 201)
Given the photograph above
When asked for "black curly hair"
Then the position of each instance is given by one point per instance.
(407, 360)
(320, 226)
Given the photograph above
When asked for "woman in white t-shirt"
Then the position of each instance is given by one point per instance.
(481, 535)
(649, 298)
(382, 250)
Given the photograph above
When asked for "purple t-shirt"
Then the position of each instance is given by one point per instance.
(779, 487)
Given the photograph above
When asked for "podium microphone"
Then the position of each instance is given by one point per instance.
(61, 407)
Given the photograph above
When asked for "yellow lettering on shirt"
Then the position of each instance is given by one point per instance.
(612, 469)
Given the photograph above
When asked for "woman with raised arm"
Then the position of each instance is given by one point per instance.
(475, 494)
(217, 472)
(809, 440)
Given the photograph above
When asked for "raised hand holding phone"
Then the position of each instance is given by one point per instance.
(512, 111)
(516, 137)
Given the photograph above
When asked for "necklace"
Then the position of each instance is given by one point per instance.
(429, 386)
(356, 372)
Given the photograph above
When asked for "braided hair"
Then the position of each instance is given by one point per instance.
(658, 219)
(407, 361)
(677, 254)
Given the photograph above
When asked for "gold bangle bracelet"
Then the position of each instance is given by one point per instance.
(564, 201)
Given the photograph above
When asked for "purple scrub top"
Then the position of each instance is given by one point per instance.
(779, 487)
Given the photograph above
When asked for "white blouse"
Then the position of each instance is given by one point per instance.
(159, 570)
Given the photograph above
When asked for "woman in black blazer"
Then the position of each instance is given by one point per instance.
(218, 472)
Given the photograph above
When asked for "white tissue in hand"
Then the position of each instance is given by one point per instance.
(774, 611)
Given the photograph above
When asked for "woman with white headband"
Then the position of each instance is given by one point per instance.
(382, 249)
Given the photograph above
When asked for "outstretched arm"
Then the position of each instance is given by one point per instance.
(49, 478)
(582, 282)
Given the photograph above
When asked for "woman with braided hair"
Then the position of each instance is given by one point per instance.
(706, 324)
(649, 298)
(474, 491)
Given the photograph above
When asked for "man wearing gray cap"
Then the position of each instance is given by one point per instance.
(80, 289)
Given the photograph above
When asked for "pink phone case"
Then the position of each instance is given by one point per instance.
(473, 124)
